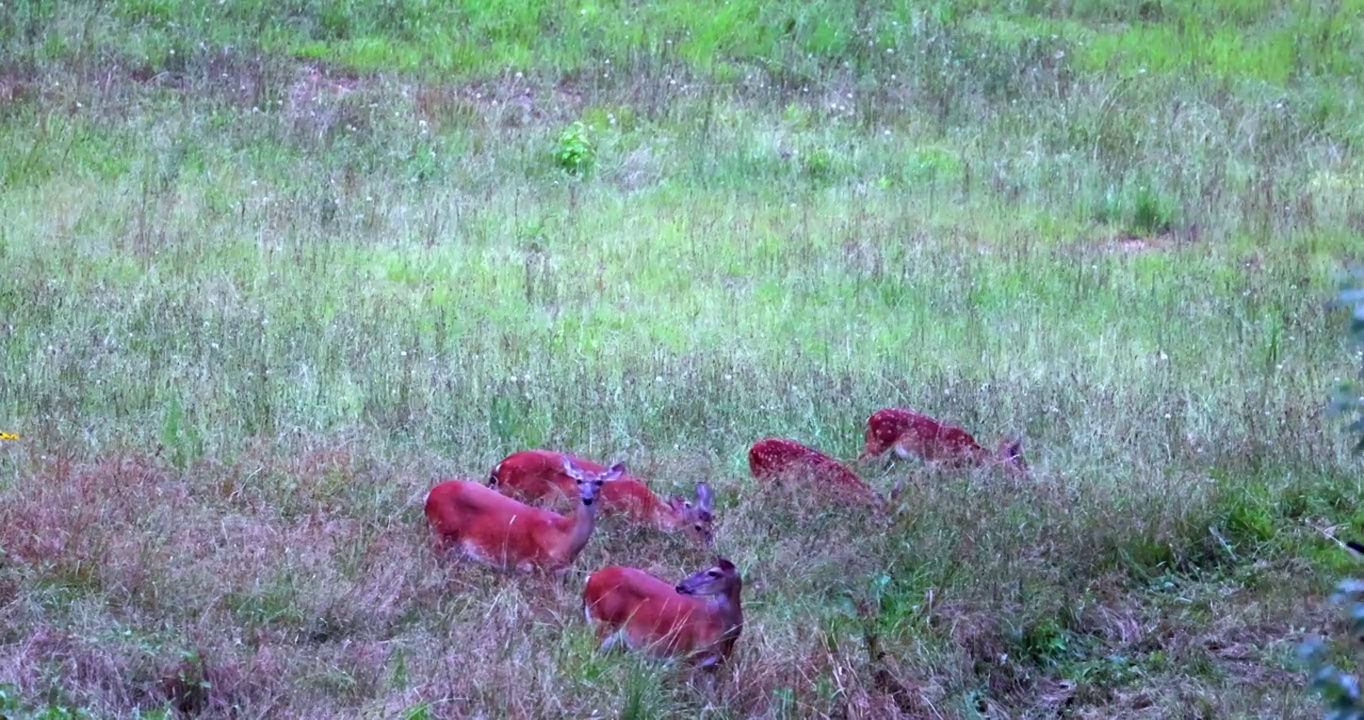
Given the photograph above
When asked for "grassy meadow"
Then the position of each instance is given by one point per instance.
(269, 270)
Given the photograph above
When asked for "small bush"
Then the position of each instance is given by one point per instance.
(1141, 210)
(1347, 400)
(575, 152)
(817, 164)
(1339, 689)
(1152, 213)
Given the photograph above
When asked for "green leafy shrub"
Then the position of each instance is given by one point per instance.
(575, 152)
(817, 164)
(1141, 210)
(1339, 689)
(1346, 398)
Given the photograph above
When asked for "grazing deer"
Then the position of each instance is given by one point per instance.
(699, 618)
(774, 459)
(909, 433)
(534, 475)
(493, 529)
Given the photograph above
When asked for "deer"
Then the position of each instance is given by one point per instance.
(536, 475)
(699, 618)
(493, 529)
(911, 434)
(774, 459)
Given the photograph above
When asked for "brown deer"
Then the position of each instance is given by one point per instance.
(699, 618)
(538, 475)
(778, 459)
(489, 527)
(911, 434)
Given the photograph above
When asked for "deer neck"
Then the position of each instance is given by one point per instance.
(730, 614)
(664, 515)
(581, 524)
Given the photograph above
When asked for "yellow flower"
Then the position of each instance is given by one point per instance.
(9, 436)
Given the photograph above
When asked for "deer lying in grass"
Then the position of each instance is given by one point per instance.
(699, 618)
(491, 528)
(911, 434)
(775, 459)
(535, 475)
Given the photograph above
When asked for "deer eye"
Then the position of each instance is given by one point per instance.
(713, 573)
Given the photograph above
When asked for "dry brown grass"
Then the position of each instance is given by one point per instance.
(302, 584)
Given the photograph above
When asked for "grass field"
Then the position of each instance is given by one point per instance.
(270, 270)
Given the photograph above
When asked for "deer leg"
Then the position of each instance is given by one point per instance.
(608, 638)
(896, 489)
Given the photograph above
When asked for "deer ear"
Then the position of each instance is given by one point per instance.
(572, 470)
(896, 489)
(613, 472)
(704, 499)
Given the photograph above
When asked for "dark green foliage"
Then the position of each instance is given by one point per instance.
(1340, 689)
(1347, 399)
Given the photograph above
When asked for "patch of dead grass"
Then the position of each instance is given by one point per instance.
(300, 581)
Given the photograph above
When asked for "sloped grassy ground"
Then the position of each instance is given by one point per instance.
(271, 269)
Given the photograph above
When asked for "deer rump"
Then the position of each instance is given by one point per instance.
(778, 461)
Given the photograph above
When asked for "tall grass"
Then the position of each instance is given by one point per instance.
(260, 292)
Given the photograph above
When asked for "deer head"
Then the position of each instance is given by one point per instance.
(1010, 452)
(719, 579)
(699, 518)
(589, 483)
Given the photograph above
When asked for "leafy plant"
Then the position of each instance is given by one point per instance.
(1346, 399)
(1152, 213)
(817, 164)
(12, 706)
(575, 152)
(1141, 210)
(928, 164)
(1340, 689)
(9, 698)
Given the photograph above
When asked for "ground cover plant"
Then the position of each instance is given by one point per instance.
(270, 270)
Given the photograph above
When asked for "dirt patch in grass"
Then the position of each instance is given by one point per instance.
(1131, 245)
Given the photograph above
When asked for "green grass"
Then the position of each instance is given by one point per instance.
(260, 292)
